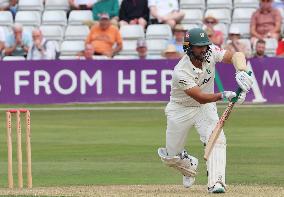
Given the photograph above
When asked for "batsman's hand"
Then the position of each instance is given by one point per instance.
(228, 95)
(244, 80)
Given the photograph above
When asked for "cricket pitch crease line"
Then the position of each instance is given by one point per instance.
(129, 108)
(88, 108)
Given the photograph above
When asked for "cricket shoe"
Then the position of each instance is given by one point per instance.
(217, 188)
(188, 181)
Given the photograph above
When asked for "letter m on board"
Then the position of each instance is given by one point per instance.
(271, 80)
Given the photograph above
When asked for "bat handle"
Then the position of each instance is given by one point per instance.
(239, 91)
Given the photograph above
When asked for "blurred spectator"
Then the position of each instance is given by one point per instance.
(18, 42)
(141, 49)
(234, 44)
(217, 37)
(4, 5)
(260, 49)
(166, 11)
(179, 33)
(88, 53)
(278, 4)
(209, 32)
(134, 12)
(265, 22)
(41, 48)
(2, 41)
(13, 7)
(280, 48)
(104, 36)
(81, 4)
(111, 7)
(171, 53)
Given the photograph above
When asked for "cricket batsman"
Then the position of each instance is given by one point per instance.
(192, 103)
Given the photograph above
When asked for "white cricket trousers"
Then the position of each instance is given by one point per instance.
(180, 119)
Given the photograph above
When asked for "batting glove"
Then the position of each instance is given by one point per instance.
(228, 95)
(244, 80)
(242, 98)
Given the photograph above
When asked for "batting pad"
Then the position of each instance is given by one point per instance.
(185, 166)
(216, 163)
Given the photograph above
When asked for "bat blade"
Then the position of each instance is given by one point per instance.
(212, 140)
(217, 130)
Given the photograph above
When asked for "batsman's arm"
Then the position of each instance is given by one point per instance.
(202, 97)
(238, 59)
(243, 78)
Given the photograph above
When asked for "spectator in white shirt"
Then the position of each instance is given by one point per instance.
(41, 48)
(166, 11)
(81, 4)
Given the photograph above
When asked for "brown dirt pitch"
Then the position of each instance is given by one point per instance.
(146, 190)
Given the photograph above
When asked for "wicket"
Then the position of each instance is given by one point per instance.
(19, 147)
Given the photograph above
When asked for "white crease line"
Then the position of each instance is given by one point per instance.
(129, 108)
(87, 108)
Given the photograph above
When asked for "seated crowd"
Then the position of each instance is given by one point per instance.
(105, 39)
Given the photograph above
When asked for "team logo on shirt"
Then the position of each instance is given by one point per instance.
(208, 71)
(182, 82)
(202, 35)
(205, 81)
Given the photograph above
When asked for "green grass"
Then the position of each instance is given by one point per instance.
(120, 147)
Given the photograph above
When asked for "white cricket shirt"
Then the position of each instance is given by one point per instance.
(164, 7)
(186, 76)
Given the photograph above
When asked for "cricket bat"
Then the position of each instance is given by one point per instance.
(220, 124)
(217, 130)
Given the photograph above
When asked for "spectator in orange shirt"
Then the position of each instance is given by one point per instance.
(104, 36)
(88, 52)
(265, 22)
